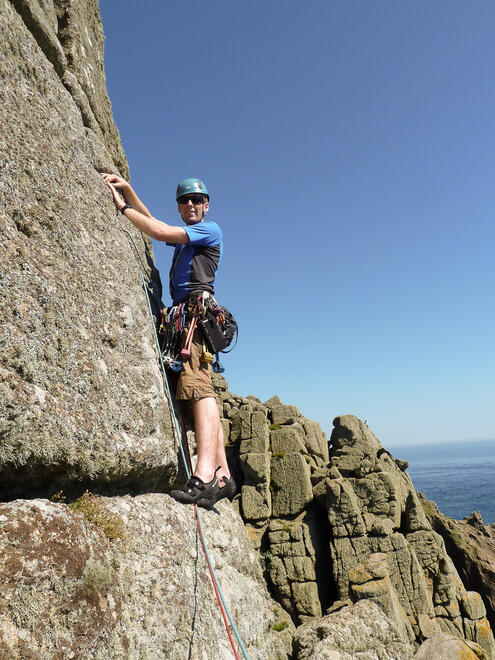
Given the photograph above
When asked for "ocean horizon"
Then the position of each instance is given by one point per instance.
(459, 477)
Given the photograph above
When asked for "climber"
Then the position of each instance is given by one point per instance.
(198, 249)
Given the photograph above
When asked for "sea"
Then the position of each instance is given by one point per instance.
(458, 477)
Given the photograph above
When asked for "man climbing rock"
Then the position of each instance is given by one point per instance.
(198, 250)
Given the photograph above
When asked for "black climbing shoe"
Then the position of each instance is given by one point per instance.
(195, 489)
(229, 490)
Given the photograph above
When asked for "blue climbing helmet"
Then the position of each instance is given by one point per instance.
(190, 186)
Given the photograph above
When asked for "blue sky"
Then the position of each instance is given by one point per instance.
(348, 148)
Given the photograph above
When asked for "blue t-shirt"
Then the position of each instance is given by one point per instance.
(194, 264)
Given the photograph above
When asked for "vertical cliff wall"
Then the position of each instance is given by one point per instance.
(82, 399)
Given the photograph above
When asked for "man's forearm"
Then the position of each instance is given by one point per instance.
(133, 200)
(156, 228)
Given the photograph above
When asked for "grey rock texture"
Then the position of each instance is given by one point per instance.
(361, 631)
(448, 647)
(344, 524)
(81, 395)
(68, 591)
(471, 546)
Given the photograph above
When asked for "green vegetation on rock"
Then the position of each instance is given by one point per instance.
(93, 508)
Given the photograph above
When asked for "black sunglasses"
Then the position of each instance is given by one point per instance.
(195, 199)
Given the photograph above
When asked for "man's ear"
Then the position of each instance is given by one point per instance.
(206, 206)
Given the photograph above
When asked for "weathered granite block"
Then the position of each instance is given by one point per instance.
(344, 514)
(378, 495)
(282, 530)
(361, 631)
(256, 468)
(379, 588)
(245, 415)
(444, 646)
(414, 518)
(349, 431)
(260, 434)
(278, 576)
(256, 502)
(479, 631)
(291, 483)
(289, 549)
(273, 402)
(316, 439)
(473, 605)
(259, 437)
(285, 414)
(288, 439)
(219, 382)
(300, 569)
(348, 462)
(305, 595)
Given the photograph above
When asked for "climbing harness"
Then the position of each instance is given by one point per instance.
(147, 284)
(218, 328)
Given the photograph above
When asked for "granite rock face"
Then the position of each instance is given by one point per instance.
(447, 647)
(344, 524)
(68, 591)
(471, 546)
(360, 631)
(81, 395)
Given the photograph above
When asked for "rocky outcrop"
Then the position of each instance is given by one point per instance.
(344, 524)
(81, 395)
(125, 578)
(447, 647)
(471, 546)
(361, 631)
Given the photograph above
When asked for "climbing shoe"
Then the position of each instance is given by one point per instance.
(229, 490)
(196, 489)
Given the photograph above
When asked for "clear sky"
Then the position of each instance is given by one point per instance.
(348, 147)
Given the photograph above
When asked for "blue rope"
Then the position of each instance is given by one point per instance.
(227, 611)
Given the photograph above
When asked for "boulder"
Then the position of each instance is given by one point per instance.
(447, 647)
(287, 439)
(126, 577)
(284, 414)
(360, 631)
(291, 484)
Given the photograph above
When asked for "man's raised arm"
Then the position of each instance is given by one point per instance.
(135, 211)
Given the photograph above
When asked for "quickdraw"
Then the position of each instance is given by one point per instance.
(185, 353)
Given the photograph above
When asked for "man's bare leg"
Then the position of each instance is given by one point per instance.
(209, 440)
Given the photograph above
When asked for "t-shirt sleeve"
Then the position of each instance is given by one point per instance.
(204, 233)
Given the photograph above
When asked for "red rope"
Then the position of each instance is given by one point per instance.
(214, 584)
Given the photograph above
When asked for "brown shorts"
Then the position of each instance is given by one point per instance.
(195, 379)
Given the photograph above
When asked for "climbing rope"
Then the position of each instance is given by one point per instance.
(188, 468)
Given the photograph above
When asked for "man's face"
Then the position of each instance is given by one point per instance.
(192, 208)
